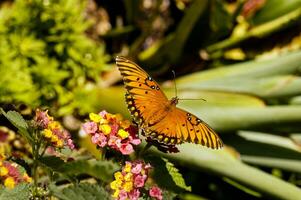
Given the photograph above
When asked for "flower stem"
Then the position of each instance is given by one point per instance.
(145, 148)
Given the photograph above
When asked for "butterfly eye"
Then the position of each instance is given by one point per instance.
(153, 87)
(150, 78)
(157, 88)
(189, 118)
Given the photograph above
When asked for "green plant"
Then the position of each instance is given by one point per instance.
(45, 53)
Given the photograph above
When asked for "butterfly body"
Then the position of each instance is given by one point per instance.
(159, 117)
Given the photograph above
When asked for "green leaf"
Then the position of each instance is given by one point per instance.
(176, 41)
(81, 191)
(167, 175)
(282, 65)
(223, 164)
(18, 121)
(273, 9)
(176, 175)
(284, 164)
(21, 191)
(99, 169)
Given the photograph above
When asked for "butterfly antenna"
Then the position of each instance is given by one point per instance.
(174, 79)
(194, 99)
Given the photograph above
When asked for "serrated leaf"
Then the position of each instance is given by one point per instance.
(82, 191)
(18, 121)
(21, 191)
(166, 175)
(176, 175)
(99, 169)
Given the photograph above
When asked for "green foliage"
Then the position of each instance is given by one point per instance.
(18, 121)
(45, 52)
(99, 169)
(21, 191)
(81, 191)
(167, 175)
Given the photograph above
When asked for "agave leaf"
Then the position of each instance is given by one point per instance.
(259, 31)
(267, 87)
(273, 9)
(235, 118)
(223, 164)
(267, 138)
(176, 40)
(284, 164)
(283, 65)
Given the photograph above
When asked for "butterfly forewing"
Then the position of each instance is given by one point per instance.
(156, 115)
(144, 97)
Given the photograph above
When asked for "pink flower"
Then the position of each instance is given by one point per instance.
(70, 144)
(135, 141)
(114, 129)
(156, 193)
(139, 181)
(134, 195)
(95, 138)
(90, 127)
(42, 118)
(99, 139)
(103, 113)
(123, 195)
(137, 168)
(114, 142)
(126, 149)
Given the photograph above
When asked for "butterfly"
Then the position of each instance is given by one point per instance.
(156, 115)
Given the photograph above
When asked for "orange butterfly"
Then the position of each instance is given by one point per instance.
(158, 117)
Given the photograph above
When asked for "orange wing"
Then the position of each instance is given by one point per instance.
(181, 126)
(148, 105)
(144, 98)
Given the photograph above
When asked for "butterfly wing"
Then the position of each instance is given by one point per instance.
(144, 97)
(153, 112)
(181, 126)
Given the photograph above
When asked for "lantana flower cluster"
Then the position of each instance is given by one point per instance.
(108, 130)
(52, 131)
(130, 182)
(11, 174)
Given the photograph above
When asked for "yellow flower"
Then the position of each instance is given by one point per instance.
(54, 138)
(128, 186)
(3, 171)
(118, 176)
(95, 117)
(125, 124)
(128, 177)
(116, 193)
(114, 185)
(123, 134)
(53, 125)
(27, 178)
(47, 133)
(9, 182)
(106, 129)
(127, 167)
(103, 121)
(59, 143)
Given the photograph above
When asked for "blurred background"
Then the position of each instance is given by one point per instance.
(242, 56)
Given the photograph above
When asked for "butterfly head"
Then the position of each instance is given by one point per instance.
(174, 100)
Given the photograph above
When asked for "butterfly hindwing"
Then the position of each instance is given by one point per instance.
(180, 126)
